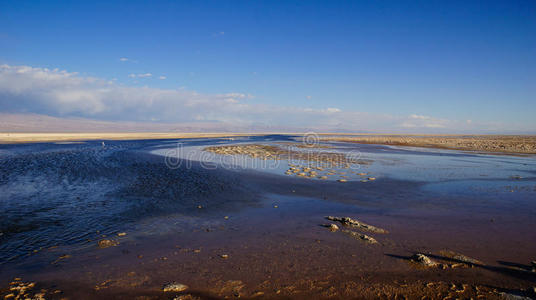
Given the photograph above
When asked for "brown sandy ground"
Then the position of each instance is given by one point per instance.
(8, 138)
(525, 144)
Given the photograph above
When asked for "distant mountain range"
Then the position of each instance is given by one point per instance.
(35, 123)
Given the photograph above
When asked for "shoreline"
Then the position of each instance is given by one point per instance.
(488, 144)
(20, 138)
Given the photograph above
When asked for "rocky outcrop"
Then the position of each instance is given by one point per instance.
(347, 221)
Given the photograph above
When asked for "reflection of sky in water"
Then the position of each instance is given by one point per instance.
(405, 163)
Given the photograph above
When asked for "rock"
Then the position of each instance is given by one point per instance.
(174, 287)
(467, 259)
(331, 227)
(186, 297)
(347, 221)
(121, 234)
(107, 243)
(371, 178)
(360, 236)
(257, 294)
(322, 177)
(423, 260)
(224, 256)
(342, 180)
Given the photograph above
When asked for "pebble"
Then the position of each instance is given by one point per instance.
(423, 260)
(107, 243)
(224, 256)
(342, 180)
(174, 287)
(333, 227)
(121, 234)
(361, 236)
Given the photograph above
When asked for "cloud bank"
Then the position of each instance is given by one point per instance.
(58, 93)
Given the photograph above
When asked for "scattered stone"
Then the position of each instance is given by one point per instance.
(423, 260)
(371, 178)
(347, 221)
(467, 259)
(174, 287)
(342, 180)
(224, 256)
(226, 217)
(361, 174)
(121, 234)
(107, 243)
(331, 227)
(257, 294)
(322, 177)
(360, 236)
(461, 258)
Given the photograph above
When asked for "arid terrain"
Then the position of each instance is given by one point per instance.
(485, 143)
(9, 138)
(523, 144)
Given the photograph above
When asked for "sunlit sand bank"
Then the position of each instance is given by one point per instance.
(486, 143)
(524, 144)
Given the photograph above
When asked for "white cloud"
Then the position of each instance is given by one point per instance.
(143, 75)
(123, 59)
(421, 121)
(332, 110)
(162, 77)
(25, 89)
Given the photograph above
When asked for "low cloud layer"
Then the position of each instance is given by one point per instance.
(25, 89)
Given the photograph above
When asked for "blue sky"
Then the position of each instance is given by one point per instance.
(465, 65)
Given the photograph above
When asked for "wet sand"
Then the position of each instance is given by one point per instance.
(251, 234)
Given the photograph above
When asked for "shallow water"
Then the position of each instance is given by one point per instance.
(59, 199)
